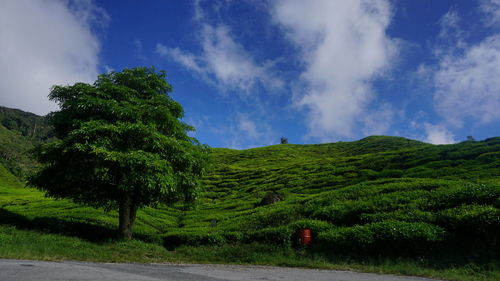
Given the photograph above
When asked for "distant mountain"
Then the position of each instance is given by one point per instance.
(20, 131)
(36, 128)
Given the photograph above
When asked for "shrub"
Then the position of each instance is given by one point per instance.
(455, 196)
(271, 235)
(316, 226)
(390, 174)
(489, 157)
(390, 236)
(175, 239)
(351, 212)
(408, 214)
(471, 220)
(270, 216)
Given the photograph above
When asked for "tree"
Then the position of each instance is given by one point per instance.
(283, 140)
(120, 144)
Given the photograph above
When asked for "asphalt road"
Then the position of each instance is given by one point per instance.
(22, 270)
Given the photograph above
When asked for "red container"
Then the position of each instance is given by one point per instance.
(304, 236)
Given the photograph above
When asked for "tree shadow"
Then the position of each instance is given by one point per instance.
(83, 230)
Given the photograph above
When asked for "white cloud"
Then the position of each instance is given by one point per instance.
(379, 121)
(43, 43)
(248, 127)
(468, 85)
(344, 48)
(187, 60)
(222, 62)
(491, 8)
(245, 130)
(438, 134)
(450, 24)
(452, 38)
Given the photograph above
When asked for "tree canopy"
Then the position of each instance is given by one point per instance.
(120, 143)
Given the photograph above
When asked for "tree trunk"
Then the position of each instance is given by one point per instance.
(127, 211)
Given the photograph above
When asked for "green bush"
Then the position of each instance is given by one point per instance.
(316, 226)
(175, 239)
(351, 212)
(231, 236)
(390, 174)
(471, 219)
(271, 235)
(489, 157)
(408, 214)
(390, 236)
(465, 194)
(270, 216)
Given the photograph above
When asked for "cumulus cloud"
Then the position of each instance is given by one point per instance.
(491, 8)
(468, 85)
(223, 61)
(245, 130)
(466, 76)
(438, 134)
(450, 31)
(344, 47)
(43, 43)
(379, 121)
(248, 126)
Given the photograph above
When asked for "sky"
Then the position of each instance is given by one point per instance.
(249, 72)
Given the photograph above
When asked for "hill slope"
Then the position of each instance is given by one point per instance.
(19, 132)
(376, 192)
(35, 128)
(379, 196)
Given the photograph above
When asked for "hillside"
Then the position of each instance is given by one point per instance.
(383, 197)
(35, 128)
(347, 191)
(19, 132)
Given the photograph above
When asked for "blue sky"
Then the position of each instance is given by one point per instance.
(248, 72)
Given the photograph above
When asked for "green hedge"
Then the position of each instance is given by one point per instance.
(316, 226)
(443, 198)
(471, 221)
(175, 239)
(271, 235)
(390, 236)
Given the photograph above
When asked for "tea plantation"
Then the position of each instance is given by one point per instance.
(374, 199)
(379, 195)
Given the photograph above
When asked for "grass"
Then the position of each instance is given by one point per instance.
(28, 244)
(24, 244)
(381, 204)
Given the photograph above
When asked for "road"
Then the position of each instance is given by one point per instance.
(22, 270)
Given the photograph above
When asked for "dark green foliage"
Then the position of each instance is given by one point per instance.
(473, 222)
(316, 226)
(19, 132)
(386, 236)
(270, 216)
(460, 194)
(15, 153)
(176, 239)
(271, 235)
(8, 179)
(35, 128)
(120, 143)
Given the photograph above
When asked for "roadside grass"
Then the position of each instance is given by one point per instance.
(261, 254)
(26, 244)
(34, 245)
